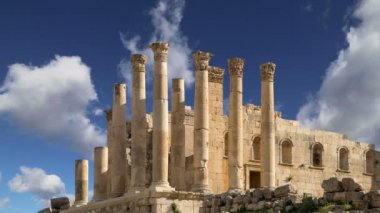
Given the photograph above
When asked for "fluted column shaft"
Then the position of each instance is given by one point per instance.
(81, 182)
(100, 173)
(118, 141)
(267, 125)
(178, 157)
(201, 123)
(138, 128)
(235, 125)
(160, 118)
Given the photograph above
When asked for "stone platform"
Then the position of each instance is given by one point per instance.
(145, 202)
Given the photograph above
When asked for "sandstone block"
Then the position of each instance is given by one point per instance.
(329, 196)
(60, 203)
(374, 198)
(340, 197)
(332, 185)
(284, 190)
(268, 193)
(351, 196)
(257, 193)
(349, 184)
(260, 205)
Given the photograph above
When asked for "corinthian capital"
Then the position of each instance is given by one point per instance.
(215, 74)
(267, 71)
(236, 66)
(201, 60)
(138, 62)
(160, 51)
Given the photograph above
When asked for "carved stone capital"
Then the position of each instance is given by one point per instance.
(201, 60)
(215, 74)
(138, 62)
(236, 66)
(267, 71)
(108, 113)
(160, 51)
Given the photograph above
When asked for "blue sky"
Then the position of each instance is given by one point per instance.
(59, 61)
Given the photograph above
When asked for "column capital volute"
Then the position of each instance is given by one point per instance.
(215, 74)
(160, 51)
(236, 66)
(201, 60)
(138, 62)
(267, 71)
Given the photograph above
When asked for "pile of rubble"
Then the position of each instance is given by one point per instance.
(348, 191)
(278, 199)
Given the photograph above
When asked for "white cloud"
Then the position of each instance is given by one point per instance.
(4, 203)
(98, 112)
(166, 18)
(38, 183)
(52, 100)
(349, 99)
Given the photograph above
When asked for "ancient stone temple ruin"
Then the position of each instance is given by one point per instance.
(165, 159)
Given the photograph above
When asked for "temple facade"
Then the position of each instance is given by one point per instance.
(197, 150)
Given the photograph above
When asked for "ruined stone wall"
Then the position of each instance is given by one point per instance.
(300, 170)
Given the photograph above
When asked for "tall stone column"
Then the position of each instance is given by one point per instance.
(201, 123)
(108, 113)
(235, 125)
(100, 173)
(138, 128)
(178, 157)
(267, 125)
(81, 182)
(160, 119)
(117, 149)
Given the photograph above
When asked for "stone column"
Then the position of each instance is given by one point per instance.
(138, 128)
(81, 182)
(201, 123)
(178, 157)
(108, 113)
(267, 125)
(235, 125)
(160, 119)
(117, 149)
(100, 173)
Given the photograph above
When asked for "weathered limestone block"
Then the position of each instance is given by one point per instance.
(332, 185)
(60, 203)
(268, 193)
(354, 196)
(284, 190)
(349, 184)
(329, 196)
(374, 198)
(340, 197)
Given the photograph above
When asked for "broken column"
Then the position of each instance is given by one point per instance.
(160, 119)
(81, 182)
(201, 123)
(178, 157)
(108, 113)
(117, 150)
(100, 173)
(267, 125)
(138, 128)
(235, 125)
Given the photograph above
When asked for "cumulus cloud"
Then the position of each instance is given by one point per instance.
(52, 100)
(38, 183)
(349, 98)
(4, 202)
(166, 18)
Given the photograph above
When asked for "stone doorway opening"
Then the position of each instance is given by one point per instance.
(254, 179)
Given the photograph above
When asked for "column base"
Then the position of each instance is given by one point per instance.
(235, 191)
(79, 203)
(200, 188)
(161, 187)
